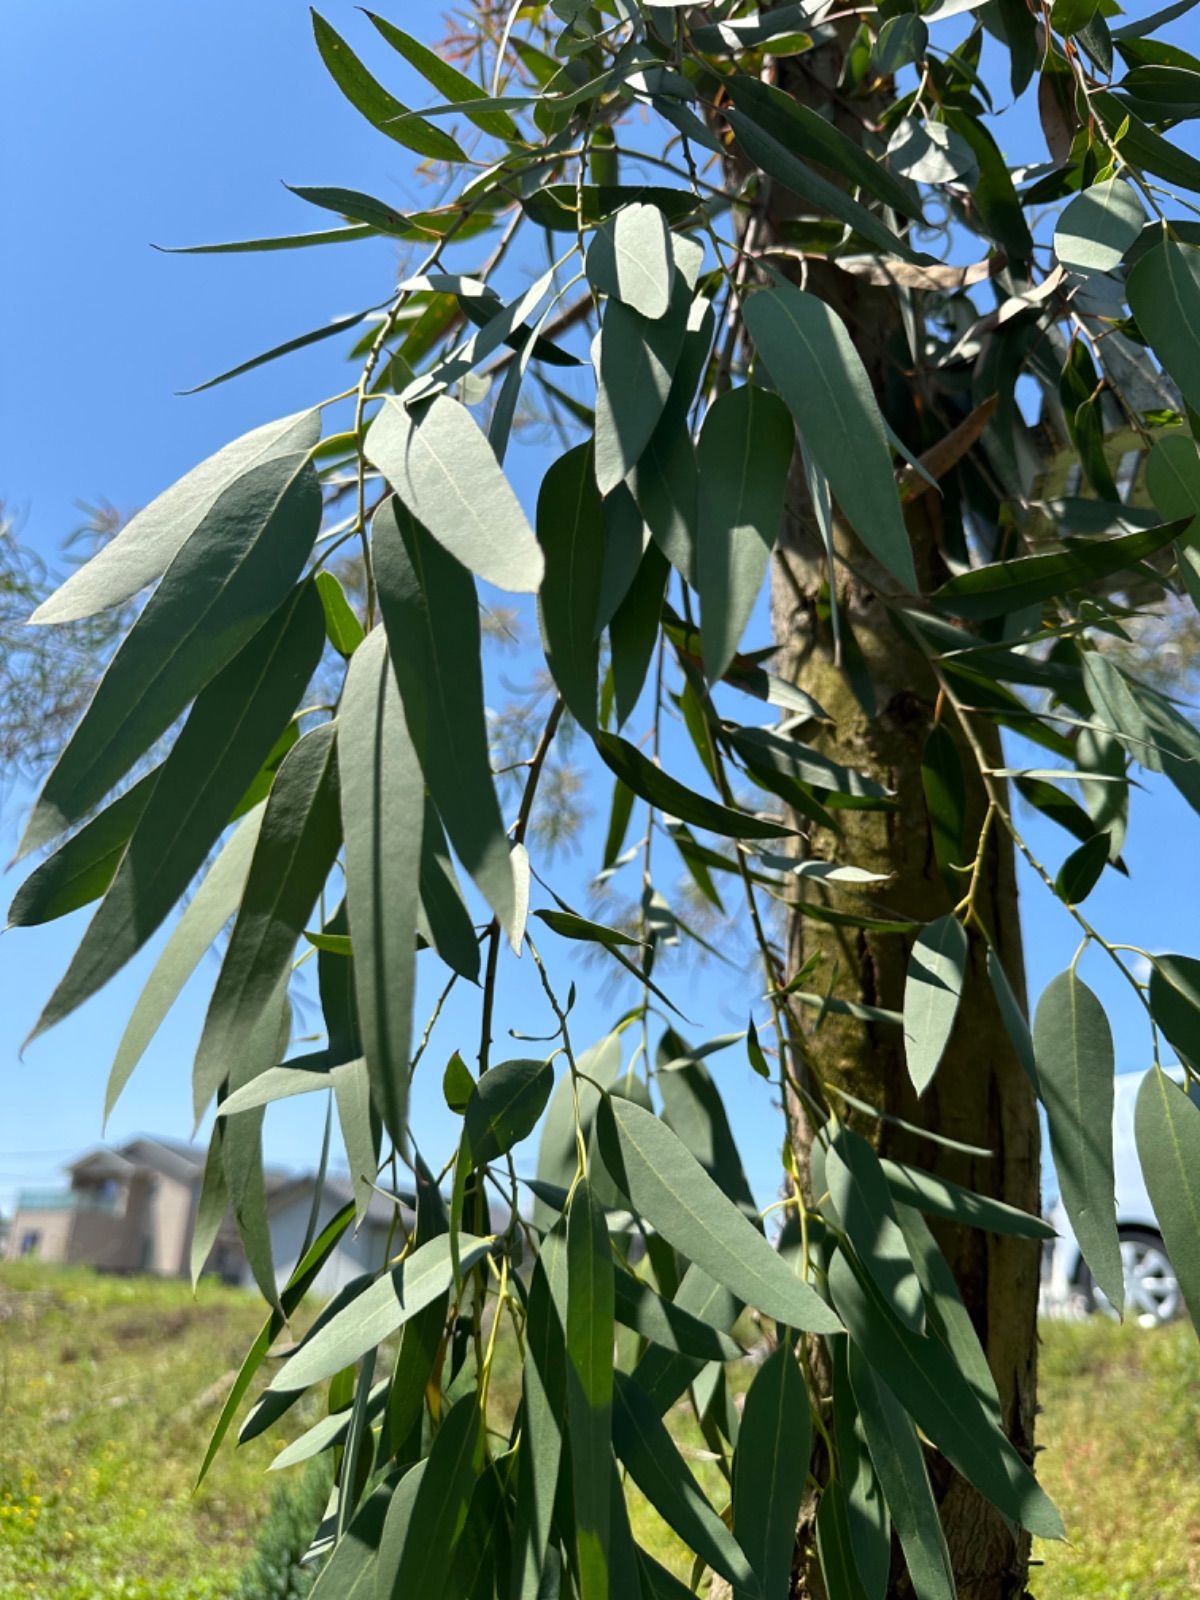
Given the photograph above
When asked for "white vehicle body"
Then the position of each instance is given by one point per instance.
(1151, 1291)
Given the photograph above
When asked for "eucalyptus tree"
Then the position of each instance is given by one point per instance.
(795, 310)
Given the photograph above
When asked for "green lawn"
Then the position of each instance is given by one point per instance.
(109, 1388)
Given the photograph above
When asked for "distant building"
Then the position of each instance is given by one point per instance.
(132, 1208)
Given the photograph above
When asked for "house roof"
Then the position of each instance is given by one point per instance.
(170, 1158)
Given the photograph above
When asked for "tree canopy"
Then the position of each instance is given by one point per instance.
(789, 275)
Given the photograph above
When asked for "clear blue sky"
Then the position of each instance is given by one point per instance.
(173, 124)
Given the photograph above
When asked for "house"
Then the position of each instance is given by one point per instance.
(132, 1208)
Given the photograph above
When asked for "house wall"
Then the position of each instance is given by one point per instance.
(170, 1210)
(52, 1227)
(356, 1253)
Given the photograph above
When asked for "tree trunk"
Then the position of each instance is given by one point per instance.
(980, 1095)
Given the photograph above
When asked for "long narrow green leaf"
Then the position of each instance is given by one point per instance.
(1007, 586)
(381, 109)
(148, 543)
(835, 1549)
(653, 784)
(859, 1191)
(770, 1466)
(665, 1323)
(293, 854)
(213, 904)
(947, 1314)
(232, 726)
(589, 1381)
(571, 531)
(767, 151)
(382, 801)
(290, 241)
(377, 1311)
(431, 615)
(671, 1190)
(635, 364)
(447, 80)
(444, 920)
(81, 870)
(234, 570)
(1164, 296)
(1167, 1129)
(1073, 1048)
(327, 330)
(899, 1462)
(416, 1553)
(745, 454)
(938, 1197)
(937, 969)
(445, 472)
(866, 1510)
(652, 1459)
(941, 1402)
(821, 376)
(349, 1574)
(543, 1411)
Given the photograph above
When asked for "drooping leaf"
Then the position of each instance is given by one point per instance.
(635, 362)
(1167, 1130)
(505, 1106)
(419, 1537)
(571, 531)
(381, 109)
(664, 1323)
(633, 629)
(1081, 871)
(933, 987)
(232, 726)
(630, 259)
(1073, 1048)
(431, 616)
(820, 375)
(589, 1384)
(867, 1518)
(671, 1190)
(652, 1459)
(947, 1313)
(694, 1111)
(382, 800)
(446, 473)
(938, 1197)
(349, 1574)
(653, 784)
(1004, 587)
(1098, 226)
(745, 454)
(941, 1402)
(1164, 295)
(377, 1311)
(236, 568)
(834, 1546)
(946, 802)
(213, 904)
(543, 1411)
(769, 1469)
(81, 870)
(444, 920)
(446, 79)
(1175, 1002)
(148, 543)
(858, 1189)
(293, 854)
(344, 630)
(1012, 1014)
(899, 1464)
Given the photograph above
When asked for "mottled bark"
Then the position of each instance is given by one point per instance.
(980, 1095)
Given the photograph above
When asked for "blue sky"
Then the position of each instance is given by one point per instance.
(175, 124)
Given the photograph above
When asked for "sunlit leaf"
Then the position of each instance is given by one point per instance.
(1073, 1047)
(933, 987)
(1167, 1129)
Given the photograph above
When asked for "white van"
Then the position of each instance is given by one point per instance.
(1151, 1289)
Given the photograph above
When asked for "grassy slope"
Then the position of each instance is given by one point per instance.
(109, 1388)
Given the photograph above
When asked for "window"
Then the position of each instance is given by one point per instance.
(30, 1241)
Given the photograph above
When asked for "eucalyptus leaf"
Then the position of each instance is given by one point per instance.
(1167, 1130)
(933, 987)
(1073, 1047)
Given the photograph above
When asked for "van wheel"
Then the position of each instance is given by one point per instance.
(1152, 1294)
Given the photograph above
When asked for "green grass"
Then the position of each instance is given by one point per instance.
(109, 1389)
(1120, 1431)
